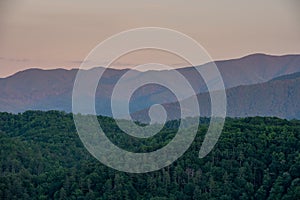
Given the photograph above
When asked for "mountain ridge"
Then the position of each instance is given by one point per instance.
(37, 89)
(276, 98)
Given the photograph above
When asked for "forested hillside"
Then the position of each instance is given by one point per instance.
(42, 157)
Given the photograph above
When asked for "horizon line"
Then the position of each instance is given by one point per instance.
(128, 68)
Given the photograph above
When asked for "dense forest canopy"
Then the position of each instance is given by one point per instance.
(42, 157)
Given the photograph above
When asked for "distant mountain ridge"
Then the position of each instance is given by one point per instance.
(37, 89)
(289, 76)
(276, 98)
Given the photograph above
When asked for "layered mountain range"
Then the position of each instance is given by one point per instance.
(257, 84)
(279, 97)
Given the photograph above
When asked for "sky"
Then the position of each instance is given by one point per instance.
(60, 33)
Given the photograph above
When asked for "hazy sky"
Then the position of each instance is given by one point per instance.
(60, 33)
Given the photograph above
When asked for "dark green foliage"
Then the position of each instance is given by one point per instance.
(42, 157)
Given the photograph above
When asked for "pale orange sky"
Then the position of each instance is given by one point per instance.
(60, 33)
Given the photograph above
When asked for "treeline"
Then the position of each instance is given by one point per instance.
(42, 157)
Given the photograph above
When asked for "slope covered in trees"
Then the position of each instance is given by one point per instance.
(42, 157)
